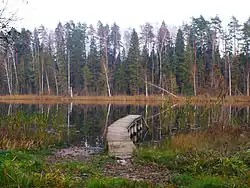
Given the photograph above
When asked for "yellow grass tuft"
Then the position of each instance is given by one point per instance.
(215, 137)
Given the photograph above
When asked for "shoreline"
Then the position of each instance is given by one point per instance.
(126, 100)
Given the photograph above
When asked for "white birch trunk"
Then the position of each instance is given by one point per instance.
(152, 74)
(105, 64)
(69, 87)
(160, 83)
(146, 83)
(42, 72)
(15, 69)
(229, 78)
(7, 75)
(194, 67)
(38, 67)
(11, 74)
(47, 80)
(247, 114)
(9, 109)
(195, 92)
(107, 120)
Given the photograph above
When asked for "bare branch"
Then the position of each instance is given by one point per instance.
(162, 89)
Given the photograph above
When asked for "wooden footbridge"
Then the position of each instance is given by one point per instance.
(123, 133)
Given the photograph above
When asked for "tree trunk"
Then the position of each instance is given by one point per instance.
(247, 114)
(107, 120)
(11, 74)
(247, 83)
(33, 67)
(163, 90)
(69, 87)
(9, 109)
(229, 77)
(47, 80)
(39, 69)
(152, 74)
(105, 64)
(194, 75)
(14, 64)
(247, 73)
(42, 72)
(107, 80)
(146, 83)
(57, 91)
(160, 83)
(7, 75)
(68, 119)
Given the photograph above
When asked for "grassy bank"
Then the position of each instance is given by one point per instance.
(28, 157)
(123, 99)
(216, 157)
(30, 169)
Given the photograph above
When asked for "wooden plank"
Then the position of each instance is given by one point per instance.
(119, 142)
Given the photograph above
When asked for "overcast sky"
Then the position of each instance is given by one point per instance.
(126, 13)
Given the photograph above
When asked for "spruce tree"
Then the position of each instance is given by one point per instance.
(133, 64)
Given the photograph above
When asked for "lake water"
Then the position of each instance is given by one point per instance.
(85, 125)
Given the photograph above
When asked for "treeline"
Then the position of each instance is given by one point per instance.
(75, 58)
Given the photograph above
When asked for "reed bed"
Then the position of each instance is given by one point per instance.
(28, 131)
(220, 138)
(124, 99)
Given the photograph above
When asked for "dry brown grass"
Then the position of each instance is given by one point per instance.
(123, 99)
(16, 138)
(34, 99)
(215, 137)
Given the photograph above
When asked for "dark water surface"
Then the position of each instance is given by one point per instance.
(86, 125)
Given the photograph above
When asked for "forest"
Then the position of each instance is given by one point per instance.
(200, 57)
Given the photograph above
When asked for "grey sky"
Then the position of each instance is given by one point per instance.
(126, 13)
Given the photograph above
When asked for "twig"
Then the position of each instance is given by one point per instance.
(161, 112)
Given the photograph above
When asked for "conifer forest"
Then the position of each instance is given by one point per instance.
(103, 104)
(199, 57)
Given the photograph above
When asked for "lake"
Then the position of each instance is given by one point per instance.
(86, 125)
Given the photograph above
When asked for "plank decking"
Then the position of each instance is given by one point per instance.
(119, 142)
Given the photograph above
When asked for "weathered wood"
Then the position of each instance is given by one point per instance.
(118, 138)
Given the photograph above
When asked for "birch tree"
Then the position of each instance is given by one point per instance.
(103, 34)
